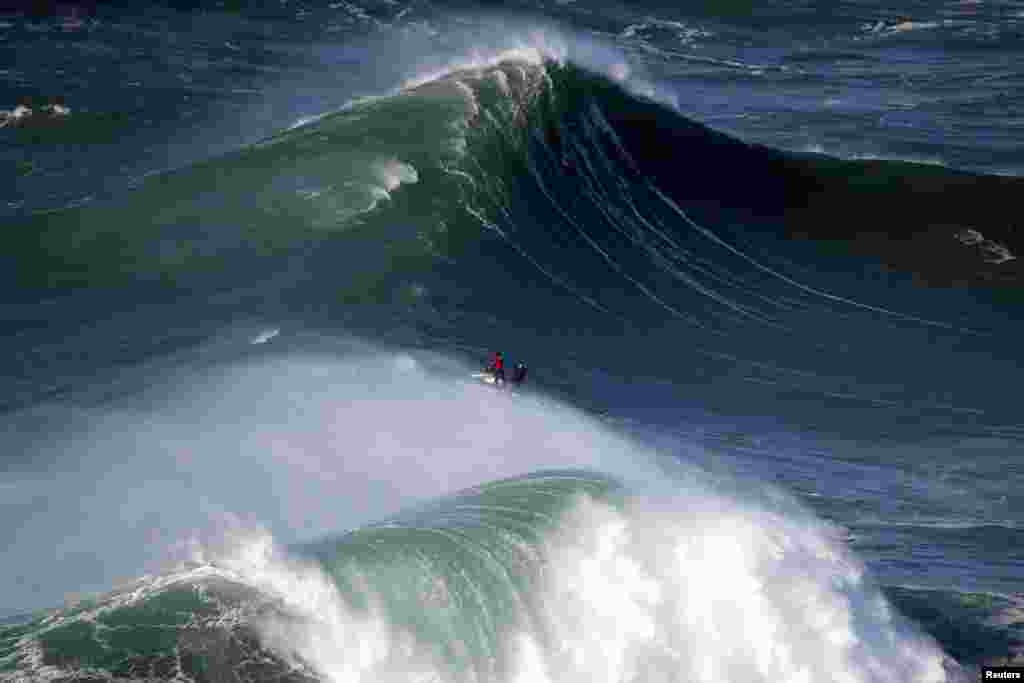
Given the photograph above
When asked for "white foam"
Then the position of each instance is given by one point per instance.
(818, 148)
(306, 120)
(17, 114)
(481, 59)
(265, 336)
(471, 101)
(524, 44)
(695, 587)
(317, 627)
(619, 71)
(685, 33)
(392, 173)
(502, 80)
(655, 94)
(993, 252)
(710, 589)
(970, 237)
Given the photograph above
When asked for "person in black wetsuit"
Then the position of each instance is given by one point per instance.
(519, 373)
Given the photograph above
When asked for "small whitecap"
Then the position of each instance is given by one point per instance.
(619, 71)
(393, 173)
(996, 253)
(310, 194)
(16, 114)
(265, 336)
(632, 30)
(992, 252)
(969, 236)
(306, 120)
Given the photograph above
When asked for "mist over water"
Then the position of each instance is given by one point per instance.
(302, 443)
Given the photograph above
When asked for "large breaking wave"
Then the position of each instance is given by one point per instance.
(520, 195)
(626, 567)
(539, 579)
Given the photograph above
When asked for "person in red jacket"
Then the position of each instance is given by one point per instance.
(497, 368)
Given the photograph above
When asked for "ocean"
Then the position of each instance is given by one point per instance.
(761, 260)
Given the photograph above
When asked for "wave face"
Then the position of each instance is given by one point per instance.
(558, 576)
(533, 196)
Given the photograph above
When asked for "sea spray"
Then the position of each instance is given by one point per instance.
(694, 587)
